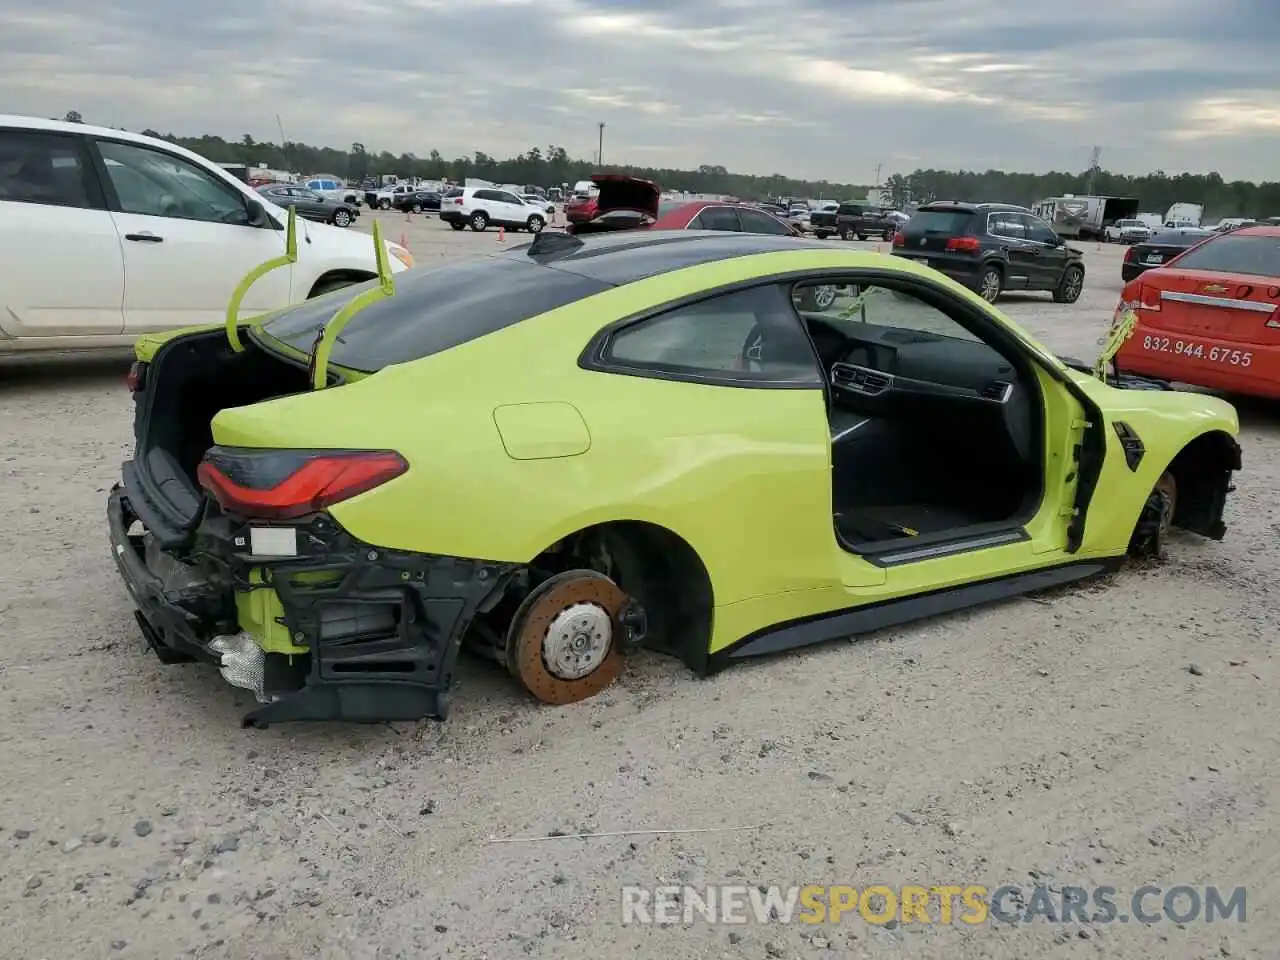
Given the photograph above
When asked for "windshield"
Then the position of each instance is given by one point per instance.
(1232, 253)
(433, 310)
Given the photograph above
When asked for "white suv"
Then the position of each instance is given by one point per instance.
(480, 207)
(105, 235)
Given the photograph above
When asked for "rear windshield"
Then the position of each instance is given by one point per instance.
(939, 221)
(454, 192)
(1177, 238)
(434, 310)
(1232, 253)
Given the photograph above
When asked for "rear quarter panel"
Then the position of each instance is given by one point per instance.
(743, 475)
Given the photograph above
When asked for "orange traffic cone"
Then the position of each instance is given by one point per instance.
(407, 218)
(502, 234)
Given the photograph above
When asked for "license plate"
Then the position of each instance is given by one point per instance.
(1154, 258)
(273, 541)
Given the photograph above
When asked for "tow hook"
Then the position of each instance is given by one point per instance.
(635, 626)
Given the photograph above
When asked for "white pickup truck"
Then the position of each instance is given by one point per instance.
(384, 198)
(1127, 231)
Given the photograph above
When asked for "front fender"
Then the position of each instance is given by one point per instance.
(1166, 424)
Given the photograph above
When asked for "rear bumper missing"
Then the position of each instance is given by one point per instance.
(381, 629)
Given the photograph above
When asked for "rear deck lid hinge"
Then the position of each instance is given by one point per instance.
(257, 273)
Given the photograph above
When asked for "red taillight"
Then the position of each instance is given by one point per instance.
(136, 379)
(963, 245)
(282, 485)
(1148, 297)
(1131, 255)
(899, 239)
(457, 201)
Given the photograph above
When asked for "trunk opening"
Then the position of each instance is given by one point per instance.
(188, 383)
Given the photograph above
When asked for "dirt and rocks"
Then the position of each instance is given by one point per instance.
(1121, 733)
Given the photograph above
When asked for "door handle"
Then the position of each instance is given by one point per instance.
(145, 237)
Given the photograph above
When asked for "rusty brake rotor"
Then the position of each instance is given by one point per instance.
(563, 642)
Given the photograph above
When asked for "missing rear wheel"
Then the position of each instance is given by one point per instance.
(563, 644)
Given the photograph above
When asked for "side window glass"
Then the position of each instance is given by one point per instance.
(485, 195)
(511, 198)
(157, 184)
(847, 306)
(755, 222)
(748, 335)
(1008, 226)
(38, 167)
(719, 218)
(1037, 229)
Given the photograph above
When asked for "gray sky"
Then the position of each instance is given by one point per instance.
(811, 88)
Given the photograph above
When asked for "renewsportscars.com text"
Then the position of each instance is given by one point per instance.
(969, 904)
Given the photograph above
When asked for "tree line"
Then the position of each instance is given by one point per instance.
(1156, 192)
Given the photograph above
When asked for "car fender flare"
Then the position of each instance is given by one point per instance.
(1203, 466)
(653, 562)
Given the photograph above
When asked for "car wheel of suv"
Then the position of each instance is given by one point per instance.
(384, 204)
(535, 224)
(415, 208)
(862, 236)
(818, 298)
(888, 236)
(990, 283)
(341, 218)
(844, 233)
(479, 221)
(1069, 287)
(457, 224)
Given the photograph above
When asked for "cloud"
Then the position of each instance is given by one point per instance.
(814, 88)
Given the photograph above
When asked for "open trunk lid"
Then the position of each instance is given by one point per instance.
(619, 192)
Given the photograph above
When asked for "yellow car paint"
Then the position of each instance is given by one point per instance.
(742, 475)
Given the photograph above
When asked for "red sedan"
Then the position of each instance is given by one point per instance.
(630, 203)
(1210, 316)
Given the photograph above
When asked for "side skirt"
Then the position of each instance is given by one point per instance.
(888, 613)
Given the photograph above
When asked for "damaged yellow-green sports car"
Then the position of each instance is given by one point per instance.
(707, 444)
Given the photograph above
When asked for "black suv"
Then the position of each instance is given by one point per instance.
(991, 248)
(862, 220)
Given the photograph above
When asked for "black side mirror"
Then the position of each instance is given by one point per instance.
(257, 213)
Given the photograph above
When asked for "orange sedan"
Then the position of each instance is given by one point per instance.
(1210, 316)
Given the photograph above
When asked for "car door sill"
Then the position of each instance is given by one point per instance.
(903, 550)
(850, 621)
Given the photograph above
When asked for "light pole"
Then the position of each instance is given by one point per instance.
(600, 148)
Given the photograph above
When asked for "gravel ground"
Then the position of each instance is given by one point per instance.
(1120, 733)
